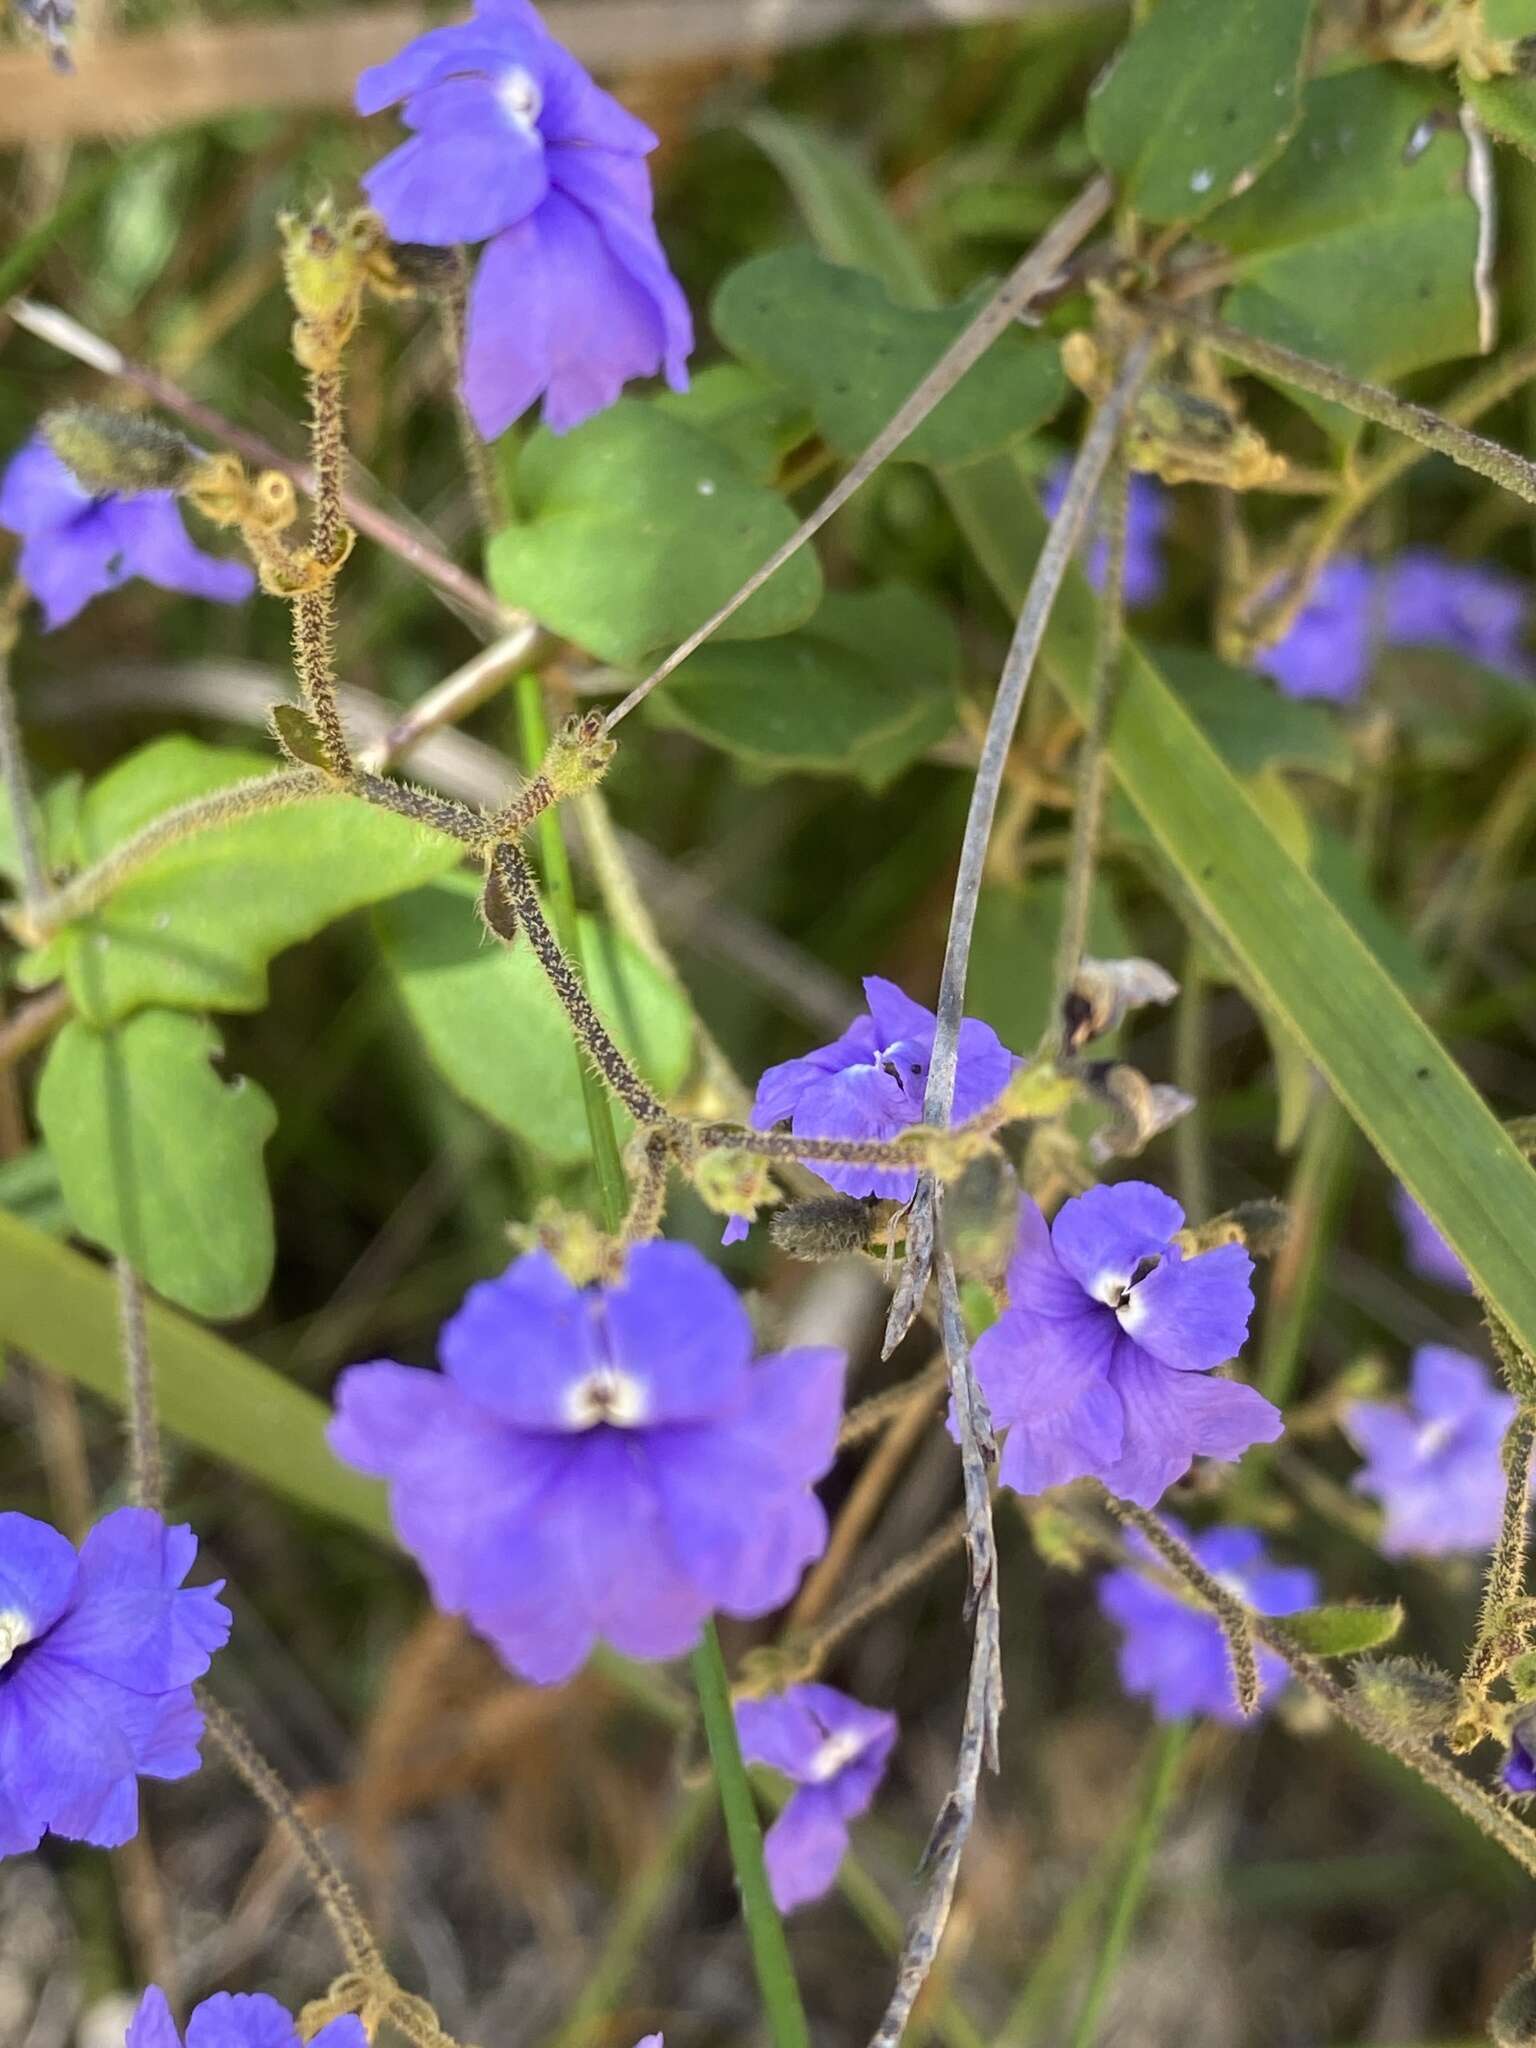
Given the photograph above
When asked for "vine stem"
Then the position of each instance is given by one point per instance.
(1159, 1784)
(146, 1474)
(560, 887)
(1029, 635)
(765, 1929)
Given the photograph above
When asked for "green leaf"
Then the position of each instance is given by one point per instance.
(160, 1160)
(196, 926)
(493, 1025)
(1347, 251)
(1298, 952)
(60, 1308)
(1344, 1631)
(1201, 98)
(754, 417)
(841, 344)
(862, 690)
(1506, 107)
(1253, 725)
(1507, 21)
(636, 527)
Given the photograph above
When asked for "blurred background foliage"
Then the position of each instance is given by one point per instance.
(539, 1855)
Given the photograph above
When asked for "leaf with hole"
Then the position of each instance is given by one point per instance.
(635, 527)
(160, 1159)
(1201, 98)
(862, 690)
(841, 344)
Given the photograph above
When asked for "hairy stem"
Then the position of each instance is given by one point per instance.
(807, 1654)
(765, 1929)
(1371, 401)
(336, 1896)
(1505, 1580)
(146, 1476)
(16, 787)
(1236, 1621)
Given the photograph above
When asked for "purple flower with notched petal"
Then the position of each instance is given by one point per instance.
(514, 146)
(1146, 521)
(98, 1651)
(1102, 1363)
(1471, 609)
(238, 2020)
(1172, 1651)
(1428, 1253)
(869, 1084)
(603, 1462)
(1433, 1463)
(75, 546)
(835, 1752)
(1327, 652)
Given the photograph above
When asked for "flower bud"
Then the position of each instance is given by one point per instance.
(830, 1227)
(733, 1183)
(1409, 1698)
(579, 755)
(106, 450)
(581, 1251)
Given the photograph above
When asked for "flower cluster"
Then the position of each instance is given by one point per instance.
(1173, 1651)
(76, 545)
(1102, 1363)
(601, 1463)
(869, 1083)
(513, 145)
(1433, 1462)
(98, 1652)
(1420, 599)
(233, 2021)
(834, 1751)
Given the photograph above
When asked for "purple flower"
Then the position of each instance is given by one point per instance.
(835, 1751)
(1428, 1253)
(98, 1652)
(234, 2021)
(1327, 652)
(869, 1084)
(1101, 1364)
(1519, 1772)
(1146, 521)
(1473, 610)
(602, 1462)
(1172, 1651)
(75, 546)
(1433, 1463)
(514, 146)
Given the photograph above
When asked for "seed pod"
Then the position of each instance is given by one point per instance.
(106, 450)
(1409, 1697)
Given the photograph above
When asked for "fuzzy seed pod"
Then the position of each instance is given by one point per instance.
(128, 452)
(831, 1227)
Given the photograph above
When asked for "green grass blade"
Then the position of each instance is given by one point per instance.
(1298, 953)
(59, 1308)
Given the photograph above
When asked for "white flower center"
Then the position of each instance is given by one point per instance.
(518, 94)
(833, 1754)
(1433, 1437)
(607, 1395)
(15, 1629)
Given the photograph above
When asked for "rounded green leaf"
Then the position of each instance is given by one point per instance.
(489, 1019)
(862, 690)
(1506, 107)
(1201, 98)
(159, 1159)
(635, 527)
(837, 339)
(195, 927)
